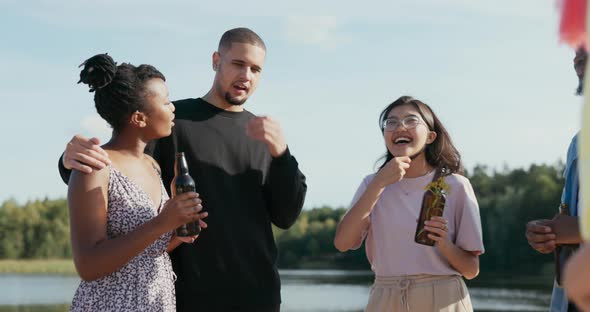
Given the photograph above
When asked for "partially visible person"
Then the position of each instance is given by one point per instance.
(386, 207)
(577, 271)
(245, 174)
(121, 219)
(576, 280)
(561, 235)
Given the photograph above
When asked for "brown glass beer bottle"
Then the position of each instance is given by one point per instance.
(182, 183)
(433, 204)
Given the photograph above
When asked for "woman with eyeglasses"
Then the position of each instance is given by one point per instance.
(386, 208)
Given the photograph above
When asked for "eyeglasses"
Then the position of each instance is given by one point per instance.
(409, 122)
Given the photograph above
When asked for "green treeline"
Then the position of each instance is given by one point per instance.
(38, 229)
(507, 199)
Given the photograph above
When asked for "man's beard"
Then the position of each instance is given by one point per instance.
(234, 101)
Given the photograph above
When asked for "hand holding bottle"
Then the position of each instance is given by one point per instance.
(439, 231)
(176, 240)
(540, 235)
(182, 209)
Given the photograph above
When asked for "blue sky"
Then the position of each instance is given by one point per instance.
(494, 72)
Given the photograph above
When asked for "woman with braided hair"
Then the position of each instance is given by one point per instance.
(121, 219)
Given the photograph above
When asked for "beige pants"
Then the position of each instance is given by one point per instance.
(419, 293)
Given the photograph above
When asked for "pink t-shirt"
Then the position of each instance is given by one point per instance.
(390, 242)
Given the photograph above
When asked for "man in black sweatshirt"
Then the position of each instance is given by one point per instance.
(245, 175)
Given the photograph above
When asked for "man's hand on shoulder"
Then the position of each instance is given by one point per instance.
(84, 154)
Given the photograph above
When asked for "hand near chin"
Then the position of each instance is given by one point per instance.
(267, 130)
(394, 170)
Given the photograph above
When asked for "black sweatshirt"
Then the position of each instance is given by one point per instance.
(244, 189)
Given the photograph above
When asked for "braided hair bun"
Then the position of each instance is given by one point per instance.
(98, 71)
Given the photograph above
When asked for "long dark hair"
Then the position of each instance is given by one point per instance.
(441, 153)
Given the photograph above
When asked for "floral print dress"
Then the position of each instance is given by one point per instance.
(146, 283)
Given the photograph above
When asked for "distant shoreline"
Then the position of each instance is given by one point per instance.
(38, 266)
(66, 267)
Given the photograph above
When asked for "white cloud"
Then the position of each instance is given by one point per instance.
(314, 30)
(94, 126)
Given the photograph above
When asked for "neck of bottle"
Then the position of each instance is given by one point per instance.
(181, 167)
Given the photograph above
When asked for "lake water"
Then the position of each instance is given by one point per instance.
(302, 291)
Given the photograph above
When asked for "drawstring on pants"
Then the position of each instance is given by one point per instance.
(403, 286)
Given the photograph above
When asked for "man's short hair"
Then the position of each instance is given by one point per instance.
(240, 35)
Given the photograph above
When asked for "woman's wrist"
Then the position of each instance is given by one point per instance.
(159, 225)
(377, 186)
(444, 246)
